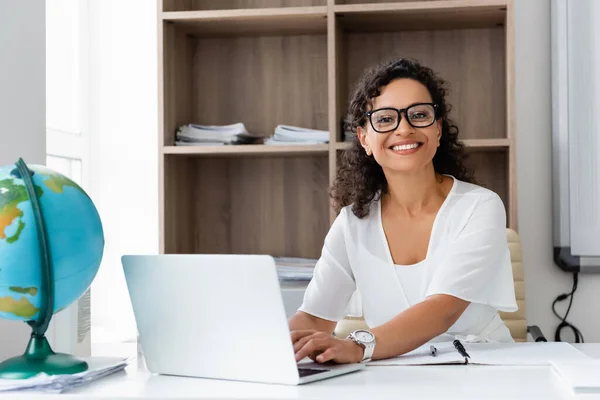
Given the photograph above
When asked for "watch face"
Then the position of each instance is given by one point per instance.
(364, 336)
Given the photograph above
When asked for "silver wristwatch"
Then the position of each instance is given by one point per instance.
(366, 340)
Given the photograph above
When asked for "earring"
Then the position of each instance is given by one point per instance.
(368, 151)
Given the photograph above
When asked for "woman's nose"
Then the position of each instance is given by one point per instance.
(404, 128)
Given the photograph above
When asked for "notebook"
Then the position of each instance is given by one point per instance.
(510, 354)
(580, 376)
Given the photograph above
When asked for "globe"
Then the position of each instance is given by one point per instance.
(73, 248)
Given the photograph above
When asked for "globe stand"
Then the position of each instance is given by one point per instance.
(39, 356)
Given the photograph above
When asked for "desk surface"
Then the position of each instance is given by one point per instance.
(422, 382)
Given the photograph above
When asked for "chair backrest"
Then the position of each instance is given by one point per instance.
(516, 321)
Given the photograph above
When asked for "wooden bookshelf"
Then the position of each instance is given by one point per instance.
(294, 62)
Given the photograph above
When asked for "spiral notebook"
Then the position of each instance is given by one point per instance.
(509, 354)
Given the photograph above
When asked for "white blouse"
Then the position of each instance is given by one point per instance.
(467, 257)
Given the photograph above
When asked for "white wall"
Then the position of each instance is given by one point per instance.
(544, 280)
(22, 110)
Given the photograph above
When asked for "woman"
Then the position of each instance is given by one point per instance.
(424, 246)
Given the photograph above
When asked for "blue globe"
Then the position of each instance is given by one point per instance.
(75, 236)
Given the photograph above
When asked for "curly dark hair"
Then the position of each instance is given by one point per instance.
(359, 177)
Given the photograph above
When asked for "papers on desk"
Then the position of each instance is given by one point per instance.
(581, 376)
(99, 367)
(290, 135)
(214, 135)
(508, 354)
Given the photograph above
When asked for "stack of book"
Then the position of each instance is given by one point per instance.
(214, 135)
(287, 134)
(294, 269)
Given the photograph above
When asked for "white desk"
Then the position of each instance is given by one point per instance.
(433, 382)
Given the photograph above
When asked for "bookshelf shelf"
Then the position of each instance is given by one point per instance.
(295, 62)
(250, 22)
(470, 144)
(248, 149)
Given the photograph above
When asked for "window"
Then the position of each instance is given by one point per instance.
(64, 87)
(102, 95)
(66, 147)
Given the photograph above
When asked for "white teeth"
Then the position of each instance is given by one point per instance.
(405, 147)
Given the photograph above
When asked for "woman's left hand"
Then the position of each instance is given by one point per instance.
(322, 347)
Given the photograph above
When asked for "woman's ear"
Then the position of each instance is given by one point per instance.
(439, 131)
(362, 136)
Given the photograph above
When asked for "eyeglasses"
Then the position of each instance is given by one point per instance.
(420, 115)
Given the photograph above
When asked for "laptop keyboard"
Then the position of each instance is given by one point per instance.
(310, 371)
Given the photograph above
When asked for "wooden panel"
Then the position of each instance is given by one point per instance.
(188, 5)
(268, 205)
(252, 22)
(341, 78)
(211, 185)
(472, 61)
(161, 128)
(336, 93)
(510, 115)
(177, 234)
(176, 5)
(376, 1)
(177, 80)
(491, 170)
(262, 82)
(422, 15)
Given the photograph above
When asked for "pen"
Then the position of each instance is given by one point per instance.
(433, 350)
(461, 349)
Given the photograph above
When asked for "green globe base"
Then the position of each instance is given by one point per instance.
(39, 358)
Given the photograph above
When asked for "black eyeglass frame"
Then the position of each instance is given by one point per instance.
(401, 111)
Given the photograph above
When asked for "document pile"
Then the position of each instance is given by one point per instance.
(287, 134)
(294, 268)
(215, 135)
(99, 367)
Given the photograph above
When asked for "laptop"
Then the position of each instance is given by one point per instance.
(216, 316)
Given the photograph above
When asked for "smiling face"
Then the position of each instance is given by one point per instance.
(407, 148)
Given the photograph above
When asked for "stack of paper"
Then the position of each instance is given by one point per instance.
(295, 269)
(287, 134)
(99, 367)
(204, 135)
